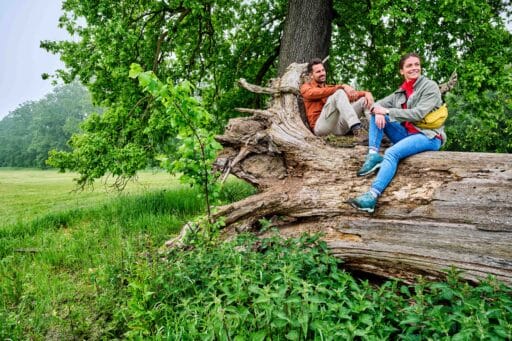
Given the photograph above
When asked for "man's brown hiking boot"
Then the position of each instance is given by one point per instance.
(360, 136)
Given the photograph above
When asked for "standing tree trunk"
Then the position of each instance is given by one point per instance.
(442, 209)
(314, 18)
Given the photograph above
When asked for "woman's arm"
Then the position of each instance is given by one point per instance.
(387, 102)
(427, 99)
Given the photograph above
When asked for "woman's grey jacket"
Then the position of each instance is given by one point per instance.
(425, 98)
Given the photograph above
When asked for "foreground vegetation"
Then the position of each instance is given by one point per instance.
(65, 273)
(275, 289)
(94, 271)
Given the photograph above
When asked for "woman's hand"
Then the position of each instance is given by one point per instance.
(380, 116)
(380, 121)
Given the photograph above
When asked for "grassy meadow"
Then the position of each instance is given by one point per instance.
(65, 255)
(28, 193)
(89, 265)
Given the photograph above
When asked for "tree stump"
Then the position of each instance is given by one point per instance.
(442, 209)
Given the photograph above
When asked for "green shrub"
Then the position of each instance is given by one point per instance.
(293, 289)
(482, 124)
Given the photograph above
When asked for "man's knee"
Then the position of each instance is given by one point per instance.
(340, 94)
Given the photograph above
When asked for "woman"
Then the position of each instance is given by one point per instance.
(395, 116)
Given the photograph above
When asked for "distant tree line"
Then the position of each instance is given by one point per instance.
(29, 132)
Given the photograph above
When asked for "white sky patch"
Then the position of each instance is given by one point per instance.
(23, 24)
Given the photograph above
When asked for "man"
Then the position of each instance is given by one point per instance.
(334, 109)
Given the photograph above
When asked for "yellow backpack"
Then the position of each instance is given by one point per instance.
(434, 119)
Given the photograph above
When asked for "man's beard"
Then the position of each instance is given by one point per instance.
(321, 82)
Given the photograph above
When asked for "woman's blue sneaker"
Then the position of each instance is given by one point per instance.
(371, 164)
(365, 202)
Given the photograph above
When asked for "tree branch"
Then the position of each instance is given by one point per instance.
(158, 49)
(268, 91)
(445, 87)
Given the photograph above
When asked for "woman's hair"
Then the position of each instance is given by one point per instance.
(405, 57)
(312, 62)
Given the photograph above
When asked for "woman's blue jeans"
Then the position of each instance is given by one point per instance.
(404, 145)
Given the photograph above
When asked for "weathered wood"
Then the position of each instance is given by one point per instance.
(442, 209)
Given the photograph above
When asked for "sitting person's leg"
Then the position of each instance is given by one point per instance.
(394, 130)
(337, 116)
(411, 145)
(362, 112)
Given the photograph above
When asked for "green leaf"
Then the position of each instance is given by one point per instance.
(259, 336)
(292, 335)
(135, 70)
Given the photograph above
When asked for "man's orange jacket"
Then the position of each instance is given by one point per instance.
(315, 96)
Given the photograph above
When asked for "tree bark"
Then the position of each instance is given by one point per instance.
(312, 40)
(442, 209)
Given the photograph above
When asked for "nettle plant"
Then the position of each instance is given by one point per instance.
(271, 288)
(183, 117)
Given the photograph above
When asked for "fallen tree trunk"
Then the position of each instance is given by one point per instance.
(442, 209)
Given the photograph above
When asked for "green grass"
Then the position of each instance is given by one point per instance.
(28, 193)
(66, 258)
(93, 270)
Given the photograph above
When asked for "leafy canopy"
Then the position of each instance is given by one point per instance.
(212, 44)
(207, 44)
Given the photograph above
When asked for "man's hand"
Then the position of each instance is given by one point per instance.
(348, 89)
(351, 93)
(369, 100)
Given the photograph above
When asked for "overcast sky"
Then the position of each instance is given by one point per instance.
(23, 24)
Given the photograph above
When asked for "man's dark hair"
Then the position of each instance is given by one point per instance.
(314, 61)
